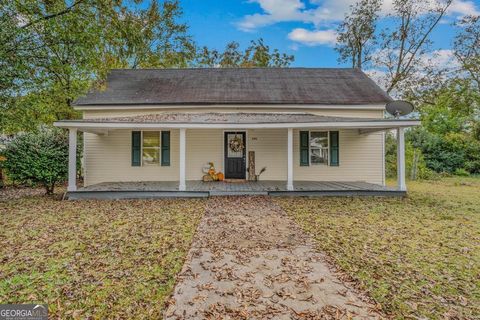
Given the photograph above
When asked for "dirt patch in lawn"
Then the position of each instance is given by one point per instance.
(94, 259)
(249, 260)
(418, 257)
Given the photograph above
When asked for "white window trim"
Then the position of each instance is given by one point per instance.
(159, 149)
(310, 149)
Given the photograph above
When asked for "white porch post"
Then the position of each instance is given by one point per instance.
(182, 184)
(290, 160)
(72, 159)
(401, 160)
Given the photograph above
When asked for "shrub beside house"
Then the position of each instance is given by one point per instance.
(38, 158)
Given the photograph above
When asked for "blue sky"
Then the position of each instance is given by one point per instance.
(304, 28)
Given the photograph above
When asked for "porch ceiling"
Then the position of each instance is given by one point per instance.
(239, 120)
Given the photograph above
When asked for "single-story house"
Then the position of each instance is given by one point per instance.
(312, 129)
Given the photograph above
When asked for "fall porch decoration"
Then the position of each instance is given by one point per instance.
(211, 174)
(236, 144)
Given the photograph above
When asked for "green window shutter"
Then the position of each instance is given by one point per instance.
(334, 146)
(304, 148)
(136, 148)
(165, 148)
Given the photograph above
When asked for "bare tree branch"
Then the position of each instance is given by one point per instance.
(53, 15)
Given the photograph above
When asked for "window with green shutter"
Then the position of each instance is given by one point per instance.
(304, 145)
(165, 148)
(334, 146)
(136, 148)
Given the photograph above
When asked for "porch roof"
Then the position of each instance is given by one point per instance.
(240, 120)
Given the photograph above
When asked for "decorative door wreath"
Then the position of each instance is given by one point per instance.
(236, 144)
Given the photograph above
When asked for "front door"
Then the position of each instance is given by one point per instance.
(235, 151)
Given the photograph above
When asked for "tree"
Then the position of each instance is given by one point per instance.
(400, 49)
(257, 54)
(40, 157)
(449, 137)
(53, 52)
(150, 37)
(356, 34)
(404, 44)
(467, 48)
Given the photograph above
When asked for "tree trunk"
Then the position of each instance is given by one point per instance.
(359, 58)
(49, 188)
(413, 173)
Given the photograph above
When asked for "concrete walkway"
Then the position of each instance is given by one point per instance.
(249, 260)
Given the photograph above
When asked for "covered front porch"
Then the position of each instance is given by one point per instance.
(195, 139)
(157, 189)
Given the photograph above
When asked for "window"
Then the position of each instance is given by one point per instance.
(318, 147)
(150, 147)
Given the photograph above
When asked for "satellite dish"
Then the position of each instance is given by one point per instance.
(399, 108)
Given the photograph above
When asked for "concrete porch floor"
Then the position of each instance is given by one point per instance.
(159, 189)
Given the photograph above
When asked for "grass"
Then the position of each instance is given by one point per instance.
(418, 257)
(94, 259)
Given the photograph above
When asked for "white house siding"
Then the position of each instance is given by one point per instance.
(361, 159)
(203, 146)
(108, 158)
(270, 146)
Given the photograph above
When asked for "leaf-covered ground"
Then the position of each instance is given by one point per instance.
(418, 257)
(94, 259)
(249, 260)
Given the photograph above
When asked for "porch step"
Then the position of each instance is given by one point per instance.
(235, 180)
(238, 193)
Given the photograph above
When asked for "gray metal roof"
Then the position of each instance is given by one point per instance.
(226, 118)
(324, 86)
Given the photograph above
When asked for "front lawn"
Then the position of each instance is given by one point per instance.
(94, 259)
(418, 257)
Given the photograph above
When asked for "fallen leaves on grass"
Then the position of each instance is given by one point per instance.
(94, 259)
(418, 257)
(249, 260)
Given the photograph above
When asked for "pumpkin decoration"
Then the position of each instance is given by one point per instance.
(211, 174)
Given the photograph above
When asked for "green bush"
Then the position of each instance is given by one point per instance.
(415, 165)
(461, 172)
(447, 153)
(38, 158)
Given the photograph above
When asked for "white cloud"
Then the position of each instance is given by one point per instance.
(325, 12)
(313, 38)
(442, 62)
(323, 15)
(274, 11)
(463, 8)
(443, 59)
(379, 77)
